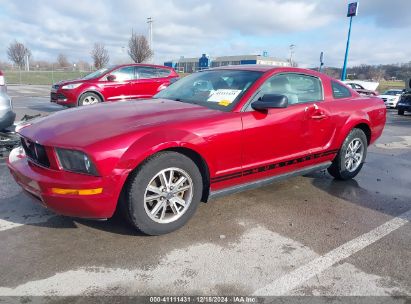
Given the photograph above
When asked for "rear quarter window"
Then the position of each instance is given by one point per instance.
(340, 91)
(163, 73)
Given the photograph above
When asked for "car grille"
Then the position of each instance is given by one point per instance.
(406, 99)
(35, 152)
(56, 96)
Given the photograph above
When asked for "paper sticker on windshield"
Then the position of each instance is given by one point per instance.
(223, 95)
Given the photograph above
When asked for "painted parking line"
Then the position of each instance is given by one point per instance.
(215, 268)
(288, 282)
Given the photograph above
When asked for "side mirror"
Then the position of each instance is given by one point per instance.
(269, 101)
(111, 77)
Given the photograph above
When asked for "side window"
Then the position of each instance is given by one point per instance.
(124, 74)
(298, 88)
(340, 91)
(146, 72)
(161, 73)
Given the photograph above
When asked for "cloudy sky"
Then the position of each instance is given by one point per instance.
(381, 32)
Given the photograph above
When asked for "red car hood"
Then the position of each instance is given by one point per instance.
(84, 126)
(70, 81)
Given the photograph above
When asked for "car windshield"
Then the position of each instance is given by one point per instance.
(217, 89)
(392, 92)
(98, 73)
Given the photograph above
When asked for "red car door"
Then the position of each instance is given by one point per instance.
(116, 85)
(146, 83)
(275, 141)
(324, 116)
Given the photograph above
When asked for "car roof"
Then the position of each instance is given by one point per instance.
(264, 68)
(140, 64)
(270, 68)
(247, 67)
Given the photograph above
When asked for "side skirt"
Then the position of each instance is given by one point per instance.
(267, 181)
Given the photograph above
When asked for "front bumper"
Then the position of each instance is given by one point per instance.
(63, 97)
(405, 107)
(7, 116)
(39, 181)
(390, 104)
(6, 119)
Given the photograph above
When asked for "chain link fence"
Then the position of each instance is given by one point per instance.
(39, 77)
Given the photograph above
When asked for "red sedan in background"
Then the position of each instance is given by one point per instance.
(114, 83)
(211, 133)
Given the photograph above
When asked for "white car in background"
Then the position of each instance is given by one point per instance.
(391, 97)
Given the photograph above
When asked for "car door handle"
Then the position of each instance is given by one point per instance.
(319, 116)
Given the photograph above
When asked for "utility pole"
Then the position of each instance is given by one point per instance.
(321, 61)
(292, 47)
(150, 36)
(352, 12)
(27, 63)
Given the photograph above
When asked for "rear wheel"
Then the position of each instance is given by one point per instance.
(163, 194)
(400, 112)
(351, 157)
(89, 99)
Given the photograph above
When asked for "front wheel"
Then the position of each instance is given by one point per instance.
(89, 99)
(350, 159)
(163, 193)
(400, 112)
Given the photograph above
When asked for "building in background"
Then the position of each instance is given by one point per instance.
(190, 65)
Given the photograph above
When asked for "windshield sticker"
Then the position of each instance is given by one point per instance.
(223, 95)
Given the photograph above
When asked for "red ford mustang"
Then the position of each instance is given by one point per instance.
(212, 133)
(113, 83)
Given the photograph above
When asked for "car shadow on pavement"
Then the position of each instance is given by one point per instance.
(382, 185)
(47, 108)
(21, 209)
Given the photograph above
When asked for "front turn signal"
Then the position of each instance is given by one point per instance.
(76, 191)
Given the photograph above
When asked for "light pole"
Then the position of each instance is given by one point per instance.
(292, 47)
(321, 61)
(150, 35)
(352, 11)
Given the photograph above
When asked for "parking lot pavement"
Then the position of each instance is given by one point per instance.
(308, 235)
(32, 100)
(16, 90)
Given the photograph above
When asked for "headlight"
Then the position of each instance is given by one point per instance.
(71, 86)
(76, 161)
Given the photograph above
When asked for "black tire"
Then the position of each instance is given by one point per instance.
(86, 96)
(133, 200)
(400, 112)
(338, 168)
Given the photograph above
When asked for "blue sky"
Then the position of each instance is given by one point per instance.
(216, 27)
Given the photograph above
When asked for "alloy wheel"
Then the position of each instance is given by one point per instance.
(89, 100)
(168, 195)
(354, 155)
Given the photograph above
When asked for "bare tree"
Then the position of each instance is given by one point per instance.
(83, 65)
(62, 61)
(138, 48)
(17, 53)
(100, 56)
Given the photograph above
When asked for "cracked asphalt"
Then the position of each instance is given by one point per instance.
(308, 235)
